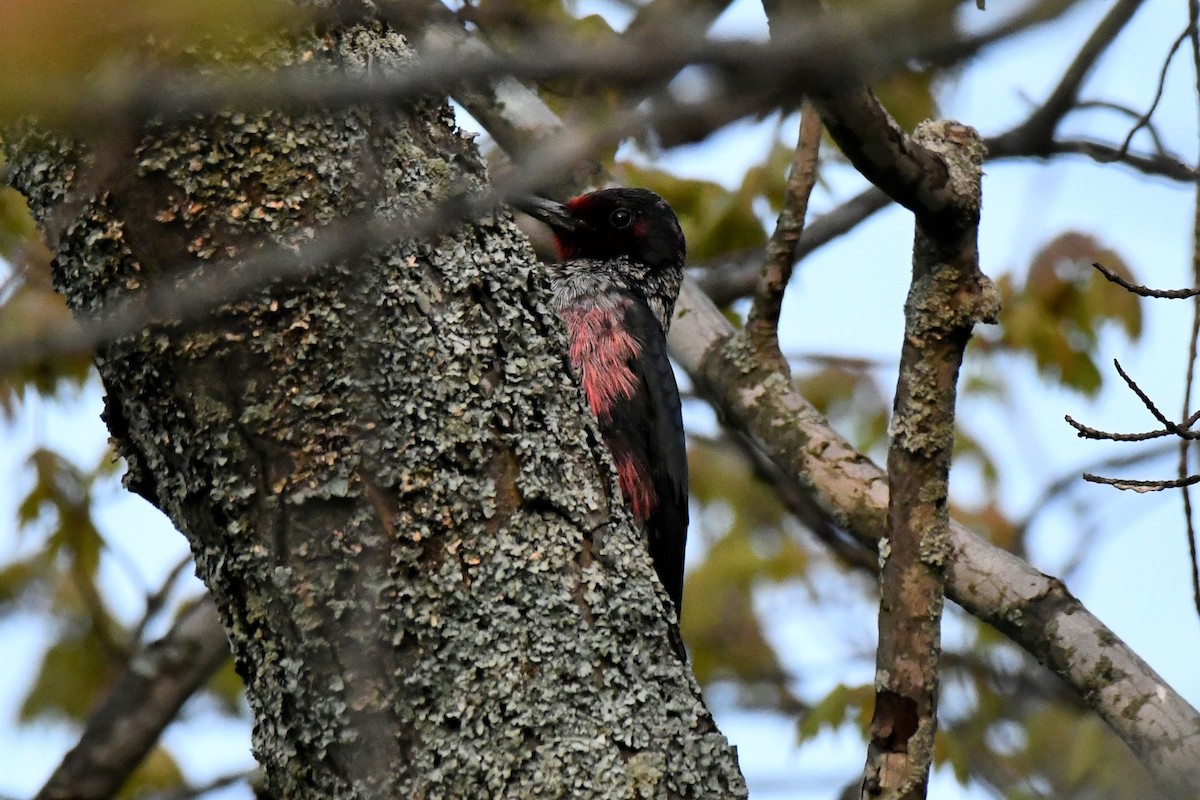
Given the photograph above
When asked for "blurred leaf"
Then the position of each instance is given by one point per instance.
(16, 225)
(843, 705)
(62, 493)
(967, 447)
(660, 15)
(518, 24)
(226, 688)
(74, 673)
(30, 309)
(157, 774)
(49, 49)
(851, 399)
(18, 578)
(952, 750)
(769, 179)
(1058, 314)
(908, 96)
(993, 522)
(723, 633)
(1077, 753)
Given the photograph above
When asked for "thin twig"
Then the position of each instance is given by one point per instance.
(139, 705)
(727, 283)
(763, 322)
(1066, 481)
(1088, 432)
(1194, 35)
(1142, 486)
(1041, 125)
(1144, 120)
(1143, 291)
(158, 598)
(1166, 165)
(1151, 407)
(246, 776)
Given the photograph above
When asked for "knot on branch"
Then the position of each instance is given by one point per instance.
(950, 299)
(961, 149)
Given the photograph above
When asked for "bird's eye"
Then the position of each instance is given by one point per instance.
(620, 218)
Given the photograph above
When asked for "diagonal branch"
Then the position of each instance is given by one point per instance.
(1038, 129)
(140, 705)
(888, 157)
(1032, 609)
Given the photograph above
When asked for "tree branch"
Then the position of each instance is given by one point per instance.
(1034, 610)
(727, 283)
(947, 297)
(763, 322)
(1036, 133)
(140, 705)
(888, 157)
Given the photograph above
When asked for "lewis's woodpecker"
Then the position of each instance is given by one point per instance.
(621, 264)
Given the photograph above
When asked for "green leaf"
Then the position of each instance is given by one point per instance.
(19, 578)
(73, 674)
(842, 705)
(1057, 316)
(158, 773)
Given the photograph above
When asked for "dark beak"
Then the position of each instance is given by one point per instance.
(548, 211)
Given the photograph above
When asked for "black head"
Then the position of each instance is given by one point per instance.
(611, 223)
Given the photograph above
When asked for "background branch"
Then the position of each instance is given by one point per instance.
(140, 705)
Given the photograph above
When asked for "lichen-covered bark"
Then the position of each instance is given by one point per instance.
(387, 476)
(947, 297)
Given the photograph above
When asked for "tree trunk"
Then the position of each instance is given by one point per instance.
(387, 475)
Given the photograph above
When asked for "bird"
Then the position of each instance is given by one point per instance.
(621, 256)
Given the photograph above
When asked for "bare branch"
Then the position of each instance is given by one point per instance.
(1143, 291)
(1149, 404)
(947, 297)
(1162, 165)
(728, 283)
(887, 156)
(250, 776)
(1143, 486)
(1038, 129)
(140, 705)
(820, 54)
(1086, 432)
(763, 321)
(1060, 485)
(1144, 120)
(1194, 37)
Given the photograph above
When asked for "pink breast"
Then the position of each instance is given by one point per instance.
(601, 350)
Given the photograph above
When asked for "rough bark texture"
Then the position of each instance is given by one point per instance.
(388, 478)
(948, 295)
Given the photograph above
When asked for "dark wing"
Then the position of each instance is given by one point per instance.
(648, 427)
